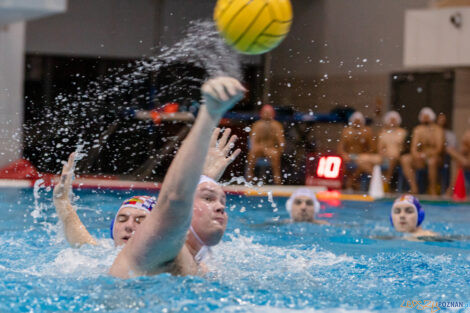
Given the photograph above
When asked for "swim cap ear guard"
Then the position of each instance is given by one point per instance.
(409, 199)
(145, 203)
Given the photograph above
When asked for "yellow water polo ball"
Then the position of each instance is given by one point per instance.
(253, 26)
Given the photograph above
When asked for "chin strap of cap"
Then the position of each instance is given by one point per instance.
(205, 250)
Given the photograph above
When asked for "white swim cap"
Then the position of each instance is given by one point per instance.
(206, 179)
(392, 114)
(357, 115)
(302, 192)
(426, 111)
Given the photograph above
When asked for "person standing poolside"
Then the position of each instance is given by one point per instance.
(357, 148)
(303, 205)
(427, 147)
(266, 140)
(407, 215)
(159, 241)
(390, 143)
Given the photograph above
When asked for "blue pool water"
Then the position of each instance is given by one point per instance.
(262, 265)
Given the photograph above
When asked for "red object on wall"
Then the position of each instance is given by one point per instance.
(20, 169)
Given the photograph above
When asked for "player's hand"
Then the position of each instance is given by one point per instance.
(63, 187)
(220, 154)
(221, 94)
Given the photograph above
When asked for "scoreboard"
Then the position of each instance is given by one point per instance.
(324, 170)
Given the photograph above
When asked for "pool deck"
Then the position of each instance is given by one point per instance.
(266, 190)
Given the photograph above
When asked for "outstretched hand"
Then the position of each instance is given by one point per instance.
(75, 232)
(63, 187)
(220, 154)
(221, 94)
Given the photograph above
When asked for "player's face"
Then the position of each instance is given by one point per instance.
(393, 122)
(426, 119)
(126, 223)
(357, 122)
(209, 216)
(303, 209)
(441, 120)
(404, 217)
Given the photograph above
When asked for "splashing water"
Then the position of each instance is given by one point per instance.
(38, 207)
(84, 115)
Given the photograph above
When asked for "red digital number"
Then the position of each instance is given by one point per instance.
(329, 167)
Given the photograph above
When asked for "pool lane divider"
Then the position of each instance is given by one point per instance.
(22, 174)
(115, 183)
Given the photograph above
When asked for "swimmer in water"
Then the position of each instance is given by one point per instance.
(303, 205)
(407, 215)
(190, 211)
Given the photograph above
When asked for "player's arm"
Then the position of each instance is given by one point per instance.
(341, 148)
(280, 137)
(253, 134)
(458, 157)
(415, 139)
(441, 139)
(158, 241)
(75, 232)
(371, 143)
(403, 138)
(381, 143)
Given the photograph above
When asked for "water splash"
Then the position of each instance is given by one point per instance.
(38, 207)
(85, 114)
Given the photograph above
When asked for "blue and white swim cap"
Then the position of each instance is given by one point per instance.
(145, 203)
(414, 202)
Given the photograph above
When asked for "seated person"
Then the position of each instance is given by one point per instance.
(303, 205)
(462, 157)
(407, 215)
(357, 148)
(427, 147)
(390, 143)
(450, 141)
(266, 141)
(169, 237)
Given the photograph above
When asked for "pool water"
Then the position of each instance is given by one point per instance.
(358, 264)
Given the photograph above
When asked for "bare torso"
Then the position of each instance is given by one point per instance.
(356, 140)
(391, 142)
(266, 134)
(429, 139)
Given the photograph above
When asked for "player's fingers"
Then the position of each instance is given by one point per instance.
(215, 135)
(224, 138)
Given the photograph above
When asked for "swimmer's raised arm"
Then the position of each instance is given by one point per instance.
(219, 155)
(75, 232)
(160, 239)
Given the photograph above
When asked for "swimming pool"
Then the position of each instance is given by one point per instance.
(262, 265)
